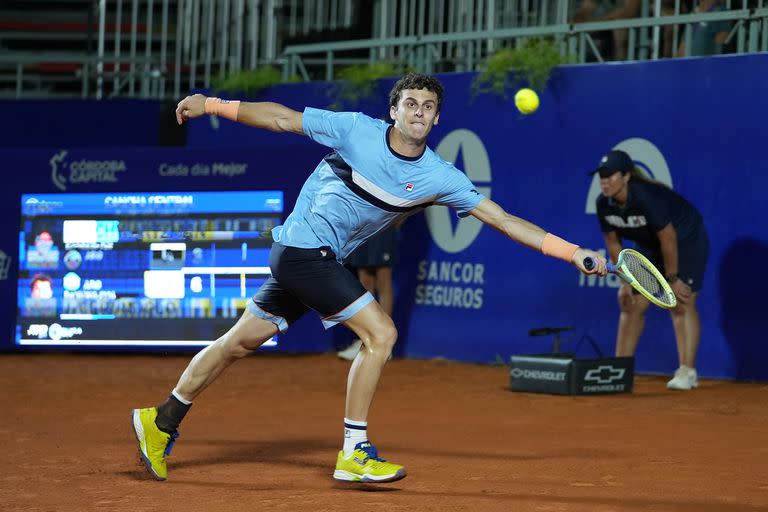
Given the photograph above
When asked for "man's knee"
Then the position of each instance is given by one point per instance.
(247, 336)
(383, 338)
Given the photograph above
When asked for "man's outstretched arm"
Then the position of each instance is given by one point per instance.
(531, 235)
(267, 115)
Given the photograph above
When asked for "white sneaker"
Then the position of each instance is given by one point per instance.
(351, 351)
(693, 377)
(685, 378)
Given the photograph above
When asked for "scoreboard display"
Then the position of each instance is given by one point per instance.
(141, 269)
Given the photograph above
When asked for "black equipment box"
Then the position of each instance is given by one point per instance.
(562, 374)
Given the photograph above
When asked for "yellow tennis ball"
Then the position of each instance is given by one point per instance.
(526, 101)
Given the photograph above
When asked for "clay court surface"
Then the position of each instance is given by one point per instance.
(265, 437)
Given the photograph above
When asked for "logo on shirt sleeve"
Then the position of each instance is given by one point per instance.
(409, 187)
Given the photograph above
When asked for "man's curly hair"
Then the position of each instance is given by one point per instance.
(417, 81)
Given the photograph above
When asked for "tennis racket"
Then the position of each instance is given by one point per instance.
(638, 272)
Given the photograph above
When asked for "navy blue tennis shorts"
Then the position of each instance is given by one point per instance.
(304, 279)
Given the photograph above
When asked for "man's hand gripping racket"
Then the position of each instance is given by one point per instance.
(597, 263)
(638, 272)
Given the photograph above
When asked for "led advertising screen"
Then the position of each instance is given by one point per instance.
(142, 269)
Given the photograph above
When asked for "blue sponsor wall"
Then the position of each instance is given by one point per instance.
(463, 290)
(79, 123)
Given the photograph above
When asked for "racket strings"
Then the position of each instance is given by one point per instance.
(647, 279)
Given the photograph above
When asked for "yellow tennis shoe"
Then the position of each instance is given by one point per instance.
(154, 444)
(365, 465)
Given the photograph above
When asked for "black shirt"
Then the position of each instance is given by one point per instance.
(649, 208)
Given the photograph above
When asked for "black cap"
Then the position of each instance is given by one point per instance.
(614, 161)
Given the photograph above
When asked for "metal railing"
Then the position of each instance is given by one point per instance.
(85, 70)
(169, 46)
(164, 48)
(750, 32)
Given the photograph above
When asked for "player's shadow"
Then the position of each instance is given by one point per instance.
(275, 452)
(742, 305)
(365, 487)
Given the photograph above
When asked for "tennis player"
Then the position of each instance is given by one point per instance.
(375, 174)
(670, 232)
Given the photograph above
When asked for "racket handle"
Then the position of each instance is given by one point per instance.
(589, 264)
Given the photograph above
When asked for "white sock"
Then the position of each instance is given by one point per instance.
(354, 432)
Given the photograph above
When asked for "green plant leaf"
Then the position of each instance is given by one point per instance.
(531, 62)
(251, 82)
(358, 82)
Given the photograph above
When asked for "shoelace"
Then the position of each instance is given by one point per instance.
(171, 442)
(370, 453)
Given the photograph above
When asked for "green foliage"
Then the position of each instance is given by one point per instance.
(530, 62)
(250, 82)
(359, 82)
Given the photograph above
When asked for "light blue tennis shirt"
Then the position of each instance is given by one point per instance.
(363, 185)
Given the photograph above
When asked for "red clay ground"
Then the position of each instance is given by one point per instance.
(265, 437)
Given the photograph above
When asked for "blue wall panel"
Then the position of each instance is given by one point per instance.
(464, 291)
(79, 123)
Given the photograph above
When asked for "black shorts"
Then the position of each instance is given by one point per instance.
(304, 279)
(692, 256)
(379, 251)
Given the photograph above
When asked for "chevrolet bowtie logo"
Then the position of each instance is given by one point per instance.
(604, 374)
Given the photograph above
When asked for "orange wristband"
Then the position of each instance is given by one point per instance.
(223, 108)
(559, 248)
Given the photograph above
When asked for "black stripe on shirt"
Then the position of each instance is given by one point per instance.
(342, 169)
